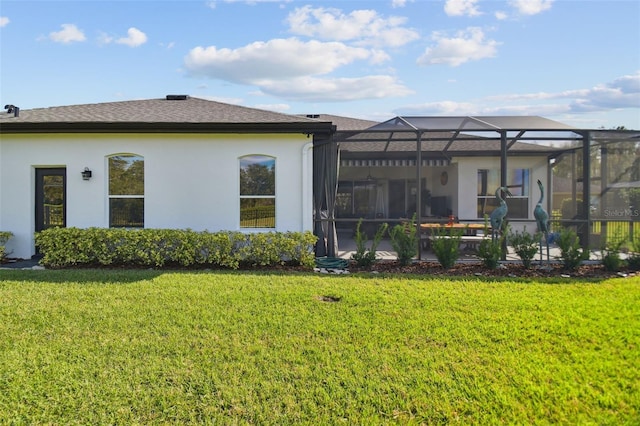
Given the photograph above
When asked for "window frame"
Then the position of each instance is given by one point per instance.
(523, 195)
(259, 222)
(111, 197)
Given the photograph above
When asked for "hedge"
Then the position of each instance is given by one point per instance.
(4, 237)
(64, 247)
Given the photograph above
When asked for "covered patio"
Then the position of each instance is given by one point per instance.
(451, 166)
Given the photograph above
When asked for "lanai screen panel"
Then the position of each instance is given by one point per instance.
(401, 133)
(615, 176)
(487, 123)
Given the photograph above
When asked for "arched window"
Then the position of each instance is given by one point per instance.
(257, 191)
(126, 191)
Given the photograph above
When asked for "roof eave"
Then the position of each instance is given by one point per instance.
(161, 127)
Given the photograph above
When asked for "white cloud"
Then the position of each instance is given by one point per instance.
(479, 108)
(628, 84)
(274, 107)
(278, 59)
(4, 21)
(364, 27)
(524, 8)
(311, 89)
(621, 93)
(378, 56)
(224, 100)
(467, 45)
(531, 7)
(538, 96)
(104, 38)
(289, 68)
(462, 8)
(134, 38)
(68, 34)
(439, 108)
(212, 4)
(400, 3)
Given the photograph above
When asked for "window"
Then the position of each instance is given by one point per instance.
(257, 191)
(344, 199)
(368, 198)
(126, 191)
(518, 184)
(356, 199)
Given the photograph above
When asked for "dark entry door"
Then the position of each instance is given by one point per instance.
(51, 198)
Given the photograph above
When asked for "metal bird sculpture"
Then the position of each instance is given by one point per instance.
(542, 219)
(499, 213)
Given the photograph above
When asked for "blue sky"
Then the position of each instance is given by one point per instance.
(577, 62)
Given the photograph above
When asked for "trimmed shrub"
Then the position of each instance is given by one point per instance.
(404, 240)
(490, 251)
(611, 259)
(571, 253)
(634, 256)
(525, 245)
(64, 247)
(4, 237)
(366, 257)
(446, 245)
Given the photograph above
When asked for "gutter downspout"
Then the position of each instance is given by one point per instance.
(306, 221)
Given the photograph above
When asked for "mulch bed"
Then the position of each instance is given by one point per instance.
(427, 268)
(476, 269)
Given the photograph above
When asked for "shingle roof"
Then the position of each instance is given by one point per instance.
(190, 114)
(343, 123)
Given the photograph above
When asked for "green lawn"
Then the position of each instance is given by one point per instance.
(150, 347)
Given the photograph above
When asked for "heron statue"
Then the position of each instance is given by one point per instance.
(542, 219)
(499, 213)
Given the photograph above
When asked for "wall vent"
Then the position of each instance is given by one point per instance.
(177, 97)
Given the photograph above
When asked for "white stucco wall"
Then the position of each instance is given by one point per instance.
(191, 181)
(1, 227)
(468, 185)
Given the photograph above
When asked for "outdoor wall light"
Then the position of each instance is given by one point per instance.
(86, 174)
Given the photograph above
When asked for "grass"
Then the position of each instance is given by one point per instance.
(149, 347)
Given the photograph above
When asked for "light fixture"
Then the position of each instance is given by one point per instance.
(369, 177)
(86, 174)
